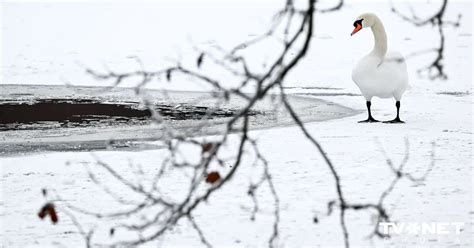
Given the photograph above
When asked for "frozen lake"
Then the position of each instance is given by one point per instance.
(61, 118)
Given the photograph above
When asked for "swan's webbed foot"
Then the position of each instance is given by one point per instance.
(395, 121)
(369, 120)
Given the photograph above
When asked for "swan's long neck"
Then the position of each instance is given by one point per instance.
(380, 38)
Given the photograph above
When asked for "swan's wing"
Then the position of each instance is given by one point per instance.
(394, 69)
(397, 59)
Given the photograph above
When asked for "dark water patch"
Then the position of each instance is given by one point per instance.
(66, 110)
(190, 114)
(53, 113)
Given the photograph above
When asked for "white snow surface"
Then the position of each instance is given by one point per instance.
(302, 179)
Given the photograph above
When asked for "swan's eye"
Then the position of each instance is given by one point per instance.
(358, 22)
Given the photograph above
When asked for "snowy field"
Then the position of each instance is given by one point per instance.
(434, 111)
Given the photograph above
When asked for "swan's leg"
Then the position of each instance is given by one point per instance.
(370, 118)
(397, 119)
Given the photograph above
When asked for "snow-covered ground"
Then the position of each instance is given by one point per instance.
(301, 177)
(434, 111)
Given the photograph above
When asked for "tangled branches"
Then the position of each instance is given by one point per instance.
(435, 69)
(168, 212)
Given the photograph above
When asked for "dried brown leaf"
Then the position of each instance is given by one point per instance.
(48, 209)
(206, 147)
(213, 177)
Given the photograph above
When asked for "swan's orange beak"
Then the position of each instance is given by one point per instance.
(356, 29)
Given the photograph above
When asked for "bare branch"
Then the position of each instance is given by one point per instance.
(435, 69)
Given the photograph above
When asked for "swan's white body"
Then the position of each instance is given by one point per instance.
(380, 73)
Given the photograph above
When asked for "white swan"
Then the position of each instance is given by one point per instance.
(379, 73)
